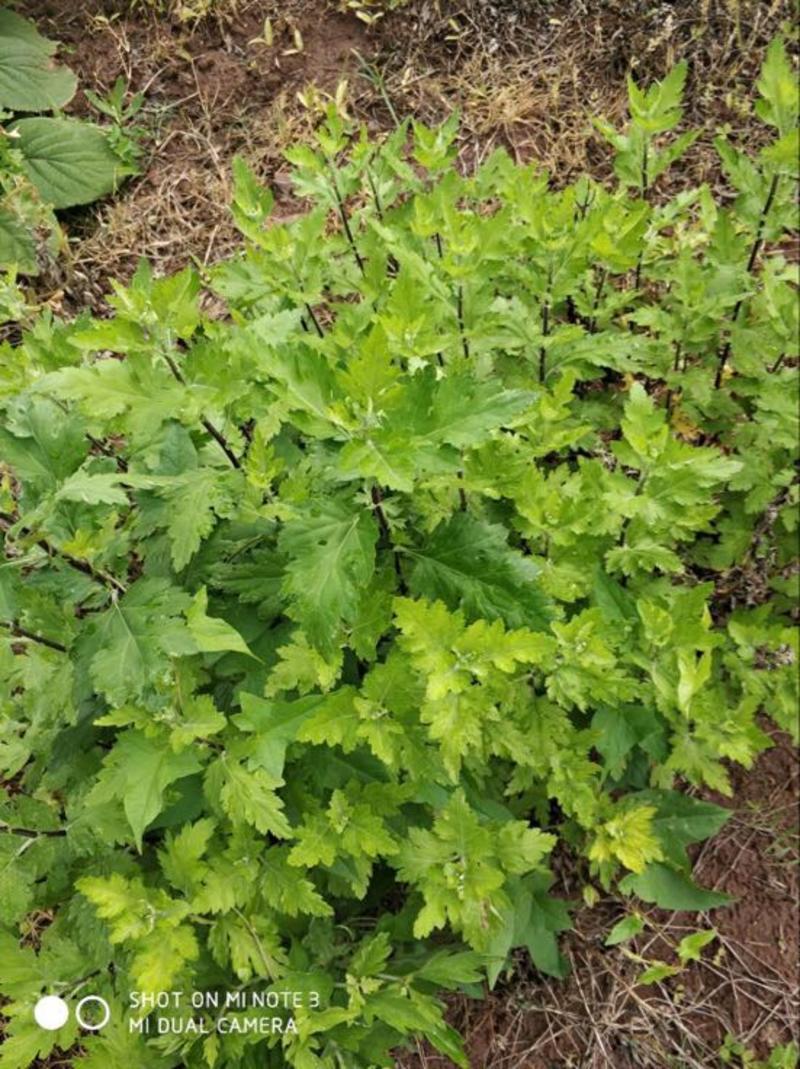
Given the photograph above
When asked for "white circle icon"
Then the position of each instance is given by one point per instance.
(98, 1024)
(51, 1012)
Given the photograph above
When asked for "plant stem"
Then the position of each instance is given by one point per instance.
(459, 300)
(758, 241)
(74, 562)
(545, 328)
(645, 182)
(315, 321)
(767, 520)
(217, 435)
(343, 216)
(103, 448)
(386, 532)
(460, 310)
(266, 963)
(637, 281)
(676, 363)
(676, 366)
(642, 480)
(598, 294)
(375, 197)
(30, 833)
(21, 632)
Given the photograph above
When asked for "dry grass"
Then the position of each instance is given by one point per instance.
(602, 1019)
(530, 75)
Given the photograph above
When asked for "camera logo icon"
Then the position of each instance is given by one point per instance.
(51, 1012)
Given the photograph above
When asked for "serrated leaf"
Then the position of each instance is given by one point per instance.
(468, 564)
(248, 796)
(212, 634)
(69, 162)
(330, 553)
(17, 245)
(29, 80)
(129, 646)
(138, 770)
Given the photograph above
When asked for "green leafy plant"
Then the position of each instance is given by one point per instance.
(687, 950)
(372, 11)
(326, 621)
(124, 136)
(784, 1056)
(46, 162)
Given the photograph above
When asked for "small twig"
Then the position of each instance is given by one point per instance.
(74, 562)
(758, 241)
(20, 632)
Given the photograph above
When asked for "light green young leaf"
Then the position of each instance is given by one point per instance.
(138, 770)
(624, 930)
(690, 946)
(211, 633)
